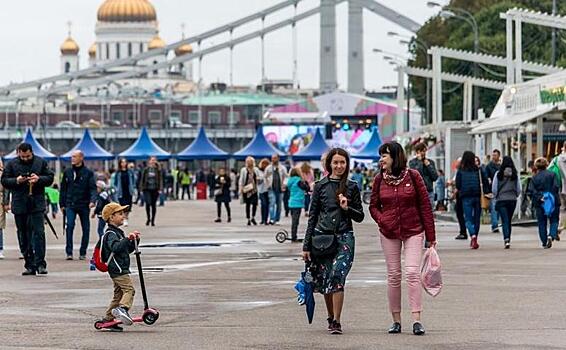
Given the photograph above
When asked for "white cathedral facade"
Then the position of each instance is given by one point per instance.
(126, 28)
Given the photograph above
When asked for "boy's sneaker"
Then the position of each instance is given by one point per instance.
(1, 254)
(122, 314)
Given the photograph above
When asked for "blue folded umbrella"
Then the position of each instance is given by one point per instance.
(305, 293)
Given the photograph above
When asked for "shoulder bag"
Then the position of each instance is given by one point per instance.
(483, 199)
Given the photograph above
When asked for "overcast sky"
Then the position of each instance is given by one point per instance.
(31, 32)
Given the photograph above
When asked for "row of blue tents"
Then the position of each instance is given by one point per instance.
(200, 149)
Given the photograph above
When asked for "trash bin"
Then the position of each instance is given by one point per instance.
(201, 190)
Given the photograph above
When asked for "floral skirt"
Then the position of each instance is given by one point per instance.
(330, 272)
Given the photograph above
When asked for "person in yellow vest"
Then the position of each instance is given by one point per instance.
(185, 183)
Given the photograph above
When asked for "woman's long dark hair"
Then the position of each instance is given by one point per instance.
(468, 161)
(328, 162)
(397, 154)
(120, 163)
(507, 163)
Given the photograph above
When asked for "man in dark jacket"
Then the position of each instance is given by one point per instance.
(78, 196)
(426, 168)
(491, 169)
(26, 177)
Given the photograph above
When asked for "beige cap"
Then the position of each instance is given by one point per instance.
(112, 208)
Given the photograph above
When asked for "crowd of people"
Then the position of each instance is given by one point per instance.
(403, 195)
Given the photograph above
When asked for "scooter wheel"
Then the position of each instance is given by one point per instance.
(150, 317)
(98, 325)
(281, 236)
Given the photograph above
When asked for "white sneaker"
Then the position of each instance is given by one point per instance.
(1, 254)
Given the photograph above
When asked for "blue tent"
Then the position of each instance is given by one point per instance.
(314, 150)
(371, 149)
(202, 148)
(90, 148)
(258, 148)
(38, 149)
(143, 148)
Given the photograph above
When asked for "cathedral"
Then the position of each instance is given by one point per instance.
(125, 28)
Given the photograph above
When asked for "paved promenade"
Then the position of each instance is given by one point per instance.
(230, 287)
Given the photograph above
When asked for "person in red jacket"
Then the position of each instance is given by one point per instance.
(401, 208)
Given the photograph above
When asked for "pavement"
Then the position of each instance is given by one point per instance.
(230, 286)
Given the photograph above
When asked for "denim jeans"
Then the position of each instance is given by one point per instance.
(472, 214)
(264, 201)
(31, 233)
(274, 206)
(101, 226)
(494, 214)
(431, 199)
(71, 215)
(543, 222)
(506, 209)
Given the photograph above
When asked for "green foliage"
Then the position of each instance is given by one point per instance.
(458, 34)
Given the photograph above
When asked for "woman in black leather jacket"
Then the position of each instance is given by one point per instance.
(335, 203)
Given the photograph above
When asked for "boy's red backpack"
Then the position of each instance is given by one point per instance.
(101, 265)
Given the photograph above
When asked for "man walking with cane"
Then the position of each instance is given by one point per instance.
(78, 196)
(26, 177)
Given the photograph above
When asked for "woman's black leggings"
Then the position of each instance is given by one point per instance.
(219, 209)
(251, 202)
(150, 197)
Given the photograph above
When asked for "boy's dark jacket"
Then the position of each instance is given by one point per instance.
(115, 240)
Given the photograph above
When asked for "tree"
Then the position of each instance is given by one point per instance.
(458, 34)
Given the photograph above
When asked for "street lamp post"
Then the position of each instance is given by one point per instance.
(424, 48)
(450, 12)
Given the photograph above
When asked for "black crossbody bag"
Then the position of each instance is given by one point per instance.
(325, 244)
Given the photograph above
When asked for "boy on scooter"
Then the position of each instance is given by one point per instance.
(116, 250)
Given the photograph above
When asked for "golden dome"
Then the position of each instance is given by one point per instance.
(92, 51)
(126, 11)
(69, 47)
(183, 50)
(156, 43)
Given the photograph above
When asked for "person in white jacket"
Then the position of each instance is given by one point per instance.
(275, 177)
(250, 178)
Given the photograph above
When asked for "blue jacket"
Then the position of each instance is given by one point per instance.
(117, 183)
(297, 194)
(468, 183)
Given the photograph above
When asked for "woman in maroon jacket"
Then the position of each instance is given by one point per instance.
(400, 207)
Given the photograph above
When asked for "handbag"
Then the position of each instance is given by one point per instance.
(483, 199)
(218, 192)
(325, 244)
(248, 188)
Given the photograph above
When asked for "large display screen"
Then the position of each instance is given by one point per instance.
(291, 139)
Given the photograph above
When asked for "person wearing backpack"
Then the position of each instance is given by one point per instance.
(401, 207)
(115, 250)
(506, 188)
(558, 165)
(296, 187)
(544, 193)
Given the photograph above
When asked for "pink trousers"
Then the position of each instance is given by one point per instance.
(413, 248)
